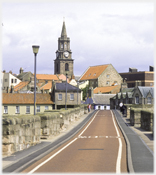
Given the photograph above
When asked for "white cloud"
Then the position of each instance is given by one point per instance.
(100, 33)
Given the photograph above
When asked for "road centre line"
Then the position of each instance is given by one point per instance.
(97, 137)
(41, 164)
(118, 162)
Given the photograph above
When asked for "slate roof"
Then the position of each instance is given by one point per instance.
(93, 72)
(20, 76)
(104, 89)
(21, 98)
(145, 90)
(61, 87)
(103, 99)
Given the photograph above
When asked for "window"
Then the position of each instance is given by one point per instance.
(136, 99)
(59, 96)
(46, 107)
(15, 80)
(17, 109)
(107, 83)
(115, 83)
(27, 109)
(71, 96)
(5, 80)
(38, 108)
(12, 80)
(66, 67)
(61, 45)
(149, 100)
(65, 45)
(151, 84)
(5, 109)
(107, 75)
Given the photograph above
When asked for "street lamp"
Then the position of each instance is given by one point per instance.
(66, 94)
(35, 51)
(77, 90)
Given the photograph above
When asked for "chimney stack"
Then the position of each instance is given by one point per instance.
(21, 70)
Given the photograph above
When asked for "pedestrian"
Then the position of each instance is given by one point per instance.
(124, 110)
(121, 104)
(89, 107)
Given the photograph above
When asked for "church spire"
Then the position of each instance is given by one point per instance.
(64, 33)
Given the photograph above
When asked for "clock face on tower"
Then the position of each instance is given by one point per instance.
(66, 54)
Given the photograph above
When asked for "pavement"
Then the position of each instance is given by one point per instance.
(146, 138)
(140, 146)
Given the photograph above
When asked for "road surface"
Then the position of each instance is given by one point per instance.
(98, 147)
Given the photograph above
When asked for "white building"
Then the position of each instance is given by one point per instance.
(8, 80)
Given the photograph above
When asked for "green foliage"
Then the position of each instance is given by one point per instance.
(85, 91)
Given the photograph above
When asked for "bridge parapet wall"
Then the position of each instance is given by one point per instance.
(22, 131)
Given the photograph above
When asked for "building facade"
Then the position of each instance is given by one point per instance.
(141, 78)
(23, 103)
(8, 81)
(65, 94)
(102, 75)
(138, 95)
(63, 64)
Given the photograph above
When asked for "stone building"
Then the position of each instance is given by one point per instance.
(8, 81)
(23, 103)
(139, 78)
(139, 95)
(59, 95)
(102, 75)
(63, 64)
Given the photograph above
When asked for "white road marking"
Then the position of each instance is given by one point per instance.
(41, 164)
(118, 162)
(37, 167)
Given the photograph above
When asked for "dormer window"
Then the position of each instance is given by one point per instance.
(137, 99)
(149, 100)
(94, 74)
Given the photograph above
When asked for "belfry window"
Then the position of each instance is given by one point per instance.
(66, 67)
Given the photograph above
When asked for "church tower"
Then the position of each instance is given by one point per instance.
(63, 63)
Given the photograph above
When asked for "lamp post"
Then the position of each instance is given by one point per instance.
(77, 91)
(66, 94)
(35, 51)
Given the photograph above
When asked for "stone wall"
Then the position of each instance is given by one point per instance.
(141, 117)
(22, 131)
(135, 117)
(147, 120)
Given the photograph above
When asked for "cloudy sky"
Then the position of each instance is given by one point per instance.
(100, 32)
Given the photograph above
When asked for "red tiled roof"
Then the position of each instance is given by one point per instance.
(46, 77)
(23, 98)
(93, 72)
(104, 89)
(47, 86)
(20, 85)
